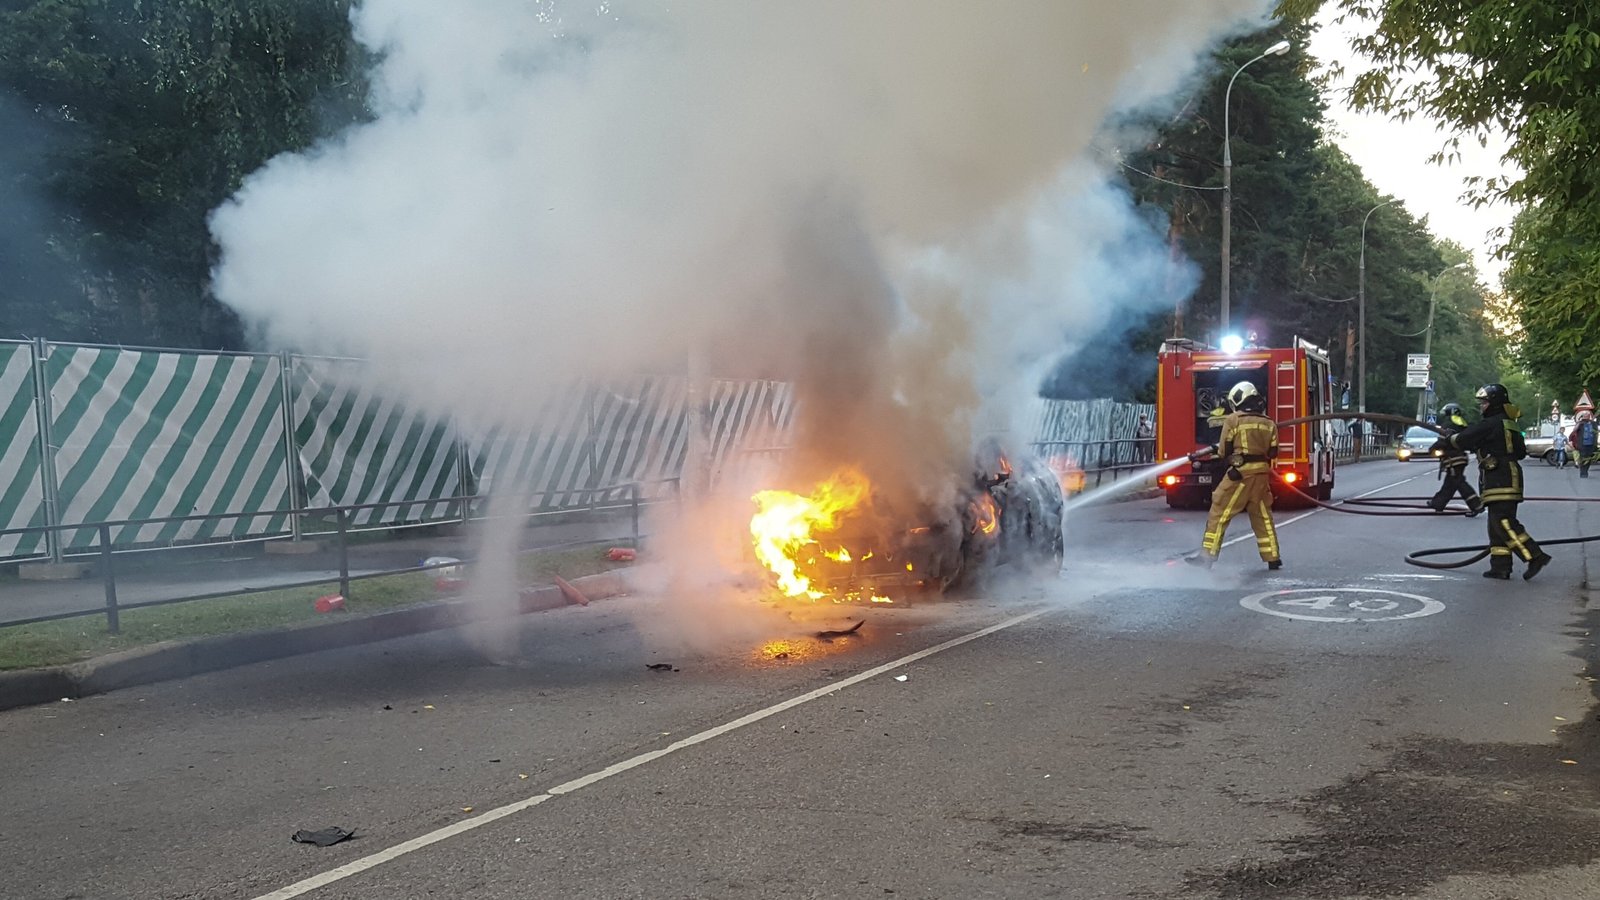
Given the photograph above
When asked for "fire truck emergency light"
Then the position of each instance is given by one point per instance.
(1231, 343)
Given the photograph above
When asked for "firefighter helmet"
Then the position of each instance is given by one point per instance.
(1242, 393)
(1493, 395)
(1450, 410)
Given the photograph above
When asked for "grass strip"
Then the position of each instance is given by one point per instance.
(74, 640)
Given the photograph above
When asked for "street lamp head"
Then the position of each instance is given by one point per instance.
(1278, 49)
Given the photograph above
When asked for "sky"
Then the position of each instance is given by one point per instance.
(1394, 156)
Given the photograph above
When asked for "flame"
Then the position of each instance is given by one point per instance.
(985, 516)
(1069, 473)
(786, 526)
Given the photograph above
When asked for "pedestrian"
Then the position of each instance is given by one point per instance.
(1249, 444)
(1355, 437)
(1453, 465)
(1145, 436)
(1559, 445)
(1583, 441)
(1500, 448)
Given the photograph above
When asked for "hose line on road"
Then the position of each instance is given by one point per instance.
(1416, 558)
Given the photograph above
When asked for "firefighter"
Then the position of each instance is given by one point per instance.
(1499, 446)
(1453, 465)
(1248, 445)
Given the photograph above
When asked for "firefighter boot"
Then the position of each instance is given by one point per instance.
(1535, 564)
(1277, 564)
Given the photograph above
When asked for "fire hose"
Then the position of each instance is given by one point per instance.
(1479, 551)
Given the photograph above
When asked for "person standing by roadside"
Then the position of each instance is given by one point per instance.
(1145, 435)
(1583, 441)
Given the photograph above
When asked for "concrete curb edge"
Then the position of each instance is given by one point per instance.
(181, 659)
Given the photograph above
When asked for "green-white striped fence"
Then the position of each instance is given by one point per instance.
(94, 433)
(138, 434)
(357, 446)
(22, 499)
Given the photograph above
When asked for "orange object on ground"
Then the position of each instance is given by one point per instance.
(572, 594)
(329, 603)
(622, 554)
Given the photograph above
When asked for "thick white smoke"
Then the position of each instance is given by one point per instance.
(886, 202)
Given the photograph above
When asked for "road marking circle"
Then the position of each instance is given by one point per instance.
(1342, 605)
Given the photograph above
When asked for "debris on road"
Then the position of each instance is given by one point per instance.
(326, 837)
(901, 677)
(450, 576)
(661, 667)
(572, 594)
(826, 635)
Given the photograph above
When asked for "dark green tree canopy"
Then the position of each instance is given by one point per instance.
(136, 119)
(1529, 68)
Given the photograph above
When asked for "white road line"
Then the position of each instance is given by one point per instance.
(358, 866)
(1251, 536)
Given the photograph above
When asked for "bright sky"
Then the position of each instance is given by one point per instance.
(1394, 156)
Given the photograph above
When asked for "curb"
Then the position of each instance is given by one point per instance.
(181, 659)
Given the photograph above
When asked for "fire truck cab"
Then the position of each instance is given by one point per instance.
(1191, 394)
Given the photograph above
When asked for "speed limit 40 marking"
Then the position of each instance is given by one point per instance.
(1342, 605)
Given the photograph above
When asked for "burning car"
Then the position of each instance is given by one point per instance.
(842, 543)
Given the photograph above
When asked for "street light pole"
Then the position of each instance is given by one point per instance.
(1427, 339)
(1361, 312)
(1277, 49)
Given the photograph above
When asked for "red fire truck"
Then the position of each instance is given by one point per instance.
(1191, 392)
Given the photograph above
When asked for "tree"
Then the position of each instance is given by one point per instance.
(143, 117)
(1299, 204)
(1530, 69)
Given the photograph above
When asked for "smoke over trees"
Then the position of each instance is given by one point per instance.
(1299, 202)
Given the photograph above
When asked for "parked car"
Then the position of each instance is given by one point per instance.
(1540, 446)
(1415, 444)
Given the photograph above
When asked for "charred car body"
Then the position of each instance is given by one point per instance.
(1009, 515)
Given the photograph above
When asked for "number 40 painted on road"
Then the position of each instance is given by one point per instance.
(1371, 604)
(1345, 605)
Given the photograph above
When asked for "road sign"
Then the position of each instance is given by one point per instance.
(1342, 605)
(1417, 360)
(1417, 378)
(1430, 384)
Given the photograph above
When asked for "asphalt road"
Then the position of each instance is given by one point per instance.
(1134, 729)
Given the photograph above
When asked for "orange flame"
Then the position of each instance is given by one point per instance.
(786, 529)
(985, 516)
(1069, 473)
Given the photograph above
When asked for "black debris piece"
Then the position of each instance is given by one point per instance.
(327, 837)
(660, 667)
(833, 634)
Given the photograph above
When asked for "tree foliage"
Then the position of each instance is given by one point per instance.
(1297, 241)
(138, 119)
(1530, 69)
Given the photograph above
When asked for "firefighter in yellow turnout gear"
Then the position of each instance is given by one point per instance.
(1249, 444)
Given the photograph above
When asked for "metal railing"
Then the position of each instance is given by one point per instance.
(342, 517)
(1373, 446)
(1082, 465)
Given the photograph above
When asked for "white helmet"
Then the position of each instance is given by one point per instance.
(1241, 392)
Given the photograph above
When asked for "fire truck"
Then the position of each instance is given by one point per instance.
(1191, 395)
